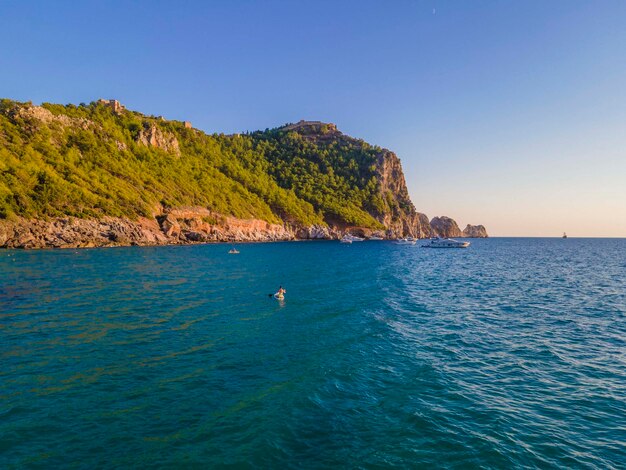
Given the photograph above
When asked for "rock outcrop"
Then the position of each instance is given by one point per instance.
(73, 233)
(316, 232)
(181, 226)
(445, 227)
(152, 136)
(475, 231)
(37, 114)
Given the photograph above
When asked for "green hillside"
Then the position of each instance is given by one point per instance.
(90, 161)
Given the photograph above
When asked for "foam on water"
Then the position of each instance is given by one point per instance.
(510, 353)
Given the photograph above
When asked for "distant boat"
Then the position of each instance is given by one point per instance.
(564, 235)
(349, 236)
(376, 238)
(446, 243)
(406, 241)
(233, 251)
(345, 240)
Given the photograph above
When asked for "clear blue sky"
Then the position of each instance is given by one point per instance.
(506, 113)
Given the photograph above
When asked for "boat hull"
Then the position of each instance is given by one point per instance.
(446, 243)
(442, 247)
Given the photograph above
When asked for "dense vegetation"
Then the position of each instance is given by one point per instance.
(88, 161)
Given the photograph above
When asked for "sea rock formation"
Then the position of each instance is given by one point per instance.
(475, 231)
(445, 227)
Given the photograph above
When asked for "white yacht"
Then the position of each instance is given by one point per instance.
(345, 240)
(406, 241)
(376, 238)
(349, 236)
(445, 243)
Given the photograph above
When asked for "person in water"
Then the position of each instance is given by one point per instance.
(281, 291)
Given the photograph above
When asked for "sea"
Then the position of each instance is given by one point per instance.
(508, 354)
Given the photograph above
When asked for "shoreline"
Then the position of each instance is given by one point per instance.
(183, 226)
(187, 244)
(250, 242)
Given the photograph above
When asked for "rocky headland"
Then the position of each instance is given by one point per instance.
(99, 175)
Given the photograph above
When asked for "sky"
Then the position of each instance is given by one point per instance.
(504, 113)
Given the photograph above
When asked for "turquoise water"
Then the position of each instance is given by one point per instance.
(511, 353)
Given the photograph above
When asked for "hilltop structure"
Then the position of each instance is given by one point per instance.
(115, 105)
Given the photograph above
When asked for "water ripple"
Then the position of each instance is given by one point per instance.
(508, 354)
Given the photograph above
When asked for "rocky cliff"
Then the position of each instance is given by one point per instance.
(401, 219)
(101, 175)
(396, 212)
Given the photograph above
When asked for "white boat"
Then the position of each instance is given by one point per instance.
(233, 251)
(376, 238)
(406, 241)
(445, 243)
(349, 236)
(345, 240)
